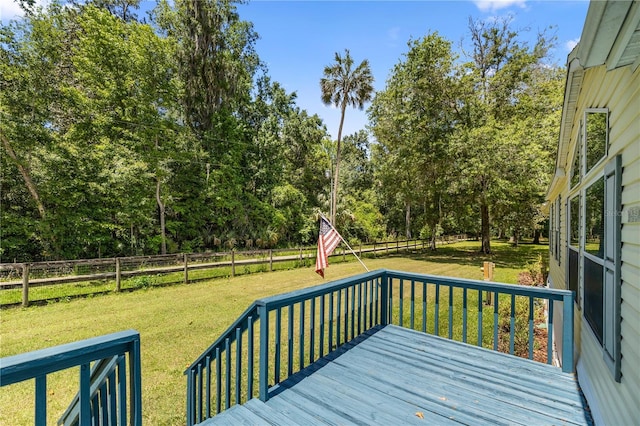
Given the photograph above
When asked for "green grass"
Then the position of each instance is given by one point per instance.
(177, 322)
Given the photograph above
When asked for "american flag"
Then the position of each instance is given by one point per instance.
(328, 240)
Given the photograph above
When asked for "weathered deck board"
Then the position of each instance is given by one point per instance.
(392, 375)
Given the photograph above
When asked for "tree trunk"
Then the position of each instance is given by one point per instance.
(432, 242)
(162, 223)
(485, 229)
(335, 182)
(26, 176)
(515, 238)
(536, 237)
(407, 220)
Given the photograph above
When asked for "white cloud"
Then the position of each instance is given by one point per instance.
(494, 5)
(571, 44)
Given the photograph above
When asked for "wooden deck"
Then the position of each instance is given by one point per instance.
(392, 376)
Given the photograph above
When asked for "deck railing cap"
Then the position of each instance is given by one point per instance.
(28, 365)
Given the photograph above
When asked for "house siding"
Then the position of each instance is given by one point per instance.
(619, 91)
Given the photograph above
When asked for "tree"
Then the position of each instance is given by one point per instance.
(412, 119)
(500, 68)
(342, 86)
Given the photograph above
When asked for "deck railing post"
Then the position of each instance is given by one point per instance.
(263, 314)
(384, 299)
(567, 333)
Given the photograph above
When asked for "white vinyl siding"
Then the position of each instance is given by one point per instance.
(618, 403)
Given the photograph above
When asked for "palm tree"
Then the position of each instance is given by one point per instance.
(343, 85)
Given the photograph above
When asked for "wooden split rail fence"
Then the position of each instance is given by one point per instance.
(50, 273)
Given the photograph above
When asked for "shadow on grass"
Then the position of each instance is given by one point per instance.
(504, 255)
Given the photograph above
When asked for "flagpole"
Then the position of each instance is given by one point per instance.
(344, 241)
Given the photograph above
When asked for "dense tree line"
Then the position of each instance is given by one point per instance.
(123, 135)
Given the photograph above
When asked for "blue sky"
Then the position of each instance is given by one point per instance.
(298, 37)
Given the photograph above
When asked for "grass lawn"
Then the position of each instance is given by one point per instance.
(177, 323)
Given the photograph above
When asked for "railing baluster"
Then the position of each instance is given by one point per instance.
(122, 386)
(290, 342)
(512, 325)
(437, 311)
(85, 395)
(104, 404)
(41, 401)
(338, 314)
(450, 312)
(301, 338)
(330, 322)
(113, 413)
(401, 300)
(480, 304)
(495, 321)
(208, 387)
(250, 357)
(199, 393)
(218, 381)
(346, 315)
(321, 326)
(464, 315)
(531, 331)
(365, 302)
(227, 373)
(353, 311)
(413, 302)
(278, 338)
(238, 365)
(424, 306)
(389, 310)
(312, 330)
(362, 321)
(550, 334)
(376, 300)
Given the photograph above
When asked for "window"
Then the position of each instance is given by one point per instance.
(593, 225)
(596, 131)
(573, 247)
(593, 249)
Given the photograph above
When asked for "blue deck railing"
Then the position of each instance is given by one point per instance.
(280, 335)
(104, 386)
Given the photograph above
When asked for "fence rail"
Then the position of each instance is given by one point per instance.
(52, 273)
(280, 335)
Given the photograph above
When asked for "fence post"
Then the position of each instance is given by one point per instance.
(397, 246)
(387, 246)
(270, 260)
(300, 256)
(488, 276)
(233, 263)
(25, 285)
(344, 257)
(186, 268)
(118, 276)
(360, 250)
